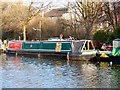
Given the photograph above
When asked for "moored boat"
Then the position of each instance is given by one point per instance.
(39, 47)
(70, 49)
(110, 56)
(115, 57)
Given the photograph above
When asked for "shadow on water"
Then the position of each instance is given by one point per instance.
(25, 72)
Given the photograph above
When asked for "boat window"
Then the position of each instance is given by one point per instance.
(77, 46)
(86, 46)
(90, 46)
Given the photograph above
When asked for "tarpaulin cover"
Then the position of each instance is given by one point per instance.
(116, 51)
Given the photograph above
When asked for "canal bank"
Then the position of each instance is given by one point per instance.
(25, 72)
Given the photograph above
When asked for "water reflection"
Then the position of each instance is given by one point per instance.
(90, 72)
(24, 72)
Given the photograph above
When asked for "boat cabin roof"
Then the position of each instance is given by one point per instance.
(118, 39)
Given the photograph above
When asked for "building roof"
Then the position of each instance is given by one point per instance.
(56, 12)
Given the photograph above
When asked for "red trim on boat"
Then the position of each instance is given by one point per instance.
(15, 45)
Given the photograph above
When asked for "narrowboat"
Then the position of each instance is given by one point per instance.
(115, 56)
(69, 49)
(109, 56)
(116, 48)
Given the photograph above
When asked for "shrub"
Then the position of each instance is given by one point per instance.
(116, 33)
(101, 36)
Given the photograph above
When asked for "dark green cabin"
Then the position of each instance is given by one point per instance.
(47, 46)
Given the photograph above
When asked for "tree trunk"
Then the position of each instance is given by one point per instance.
(24, 32)
(88, 28)
(87, 34)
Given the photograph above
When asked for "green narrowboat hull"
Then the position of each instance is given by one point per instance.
(74, 49)
(43, 48)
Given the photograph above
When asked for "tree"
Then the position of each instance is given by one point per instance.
(3, 6)
(24, 14)
(87, 13)
(25, 17)
(112, 12)
(17, 16)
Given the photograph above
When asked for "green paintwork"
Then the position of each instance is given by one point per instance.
(66, 46)
(31, 45)
(116, 47)
(46, 46)
(116, 51)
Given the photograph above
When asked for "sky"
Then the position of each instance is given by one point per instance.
(58, 3)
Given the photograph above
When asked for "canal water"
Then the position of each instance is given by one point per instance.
(26, 72)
